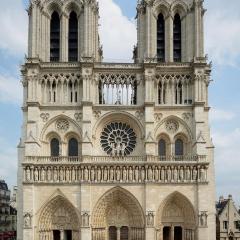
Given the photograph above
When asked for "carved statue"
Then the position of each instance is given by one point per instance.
(67, 175)
(124, 174)
(85, 174)
(169, 174)
(28, 174)
(202, 175)
(73, 175)
(181, 174)
(27, 220)
(130, 174)
(92, 174)
(188, 174)
(150, 174)
(61, 177)
(49, 174)
(111, 175)
(99, 174)
(118, 174)
(156, 174)
(175, 174)
(195, 174)
(136, 173)
(143, 174)
(55, 175)
(105, 174)
(36, 174)
(162, 174)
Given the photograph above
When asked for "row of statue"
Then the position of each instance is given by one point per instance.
(132, 174)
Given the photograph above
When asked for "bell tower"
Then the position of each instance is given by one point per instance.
(63, 31)
(170, 31)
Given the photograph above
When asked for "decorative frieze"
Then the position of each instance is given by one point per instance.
(119, 173)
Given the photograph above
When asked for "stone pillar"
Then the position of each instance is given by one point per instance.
(169, 39)
(64, 38)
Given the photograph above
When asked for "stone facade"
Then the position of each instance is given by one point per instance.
(116, 150)
(228, 219)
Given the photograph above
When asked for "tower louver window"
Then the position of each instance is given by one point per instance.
(73, 38)
(160, 38)
(55, 38)
(177, 42)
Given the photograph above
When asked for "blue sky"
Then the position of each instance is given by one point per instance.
(118, 35)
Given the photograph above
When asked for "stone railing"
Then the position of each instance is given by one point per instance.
(110, 159)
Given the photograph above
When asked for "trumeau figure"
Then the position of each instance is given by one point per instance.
(112, 150)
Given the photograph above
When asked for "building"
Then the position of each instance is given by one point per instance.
(116, 150)
(8, 214)
(228, 219)
(4, 206)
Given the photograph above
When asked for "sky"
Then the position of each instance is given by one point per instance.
(222, 44)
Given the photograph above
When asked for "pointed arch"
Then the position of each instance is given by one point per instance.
(124, 199)
(177, 208)
(58, 214)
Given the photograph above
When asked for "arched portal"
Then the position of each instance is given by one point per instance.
(118, 216)
(59, 220)
(176, 219)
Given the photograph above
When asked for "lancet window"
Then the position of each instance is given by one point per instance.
(118, 89)
(177, 36)
(73, 147)
(162, 148)
(55, 147)
(73, 38)
(179, 147)
(55, 38)
(160, 38)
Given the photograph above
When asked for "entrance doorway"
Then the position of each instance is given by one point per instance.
(56, 235)
(177, 233)
(167, 233)
(124, 233)
(112, 233)
(68, 235)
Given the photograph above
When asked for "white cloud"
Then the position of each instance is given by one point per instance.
(10, 90)
(118, 34)
(221, 115)
(223, 31)
(14, 25)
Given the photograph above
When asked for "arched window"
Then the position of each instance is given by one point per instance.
(179, 148)
(73, 38)
(55, 147)
(124, 233)
(73, 147)
(55, 38)
(162, 148)
(177, 39)
(112, 233)
(160, 38)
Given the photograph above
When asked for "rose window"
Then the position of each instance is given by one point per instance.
(118, 139)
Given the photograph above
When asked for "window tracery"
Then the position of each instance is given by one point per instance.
(118, 139)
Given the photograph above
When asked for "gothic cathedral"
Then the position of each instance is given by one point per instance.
(116, 151)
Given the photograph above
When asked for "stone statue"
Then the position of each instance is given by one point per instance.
(86, 174)
(36, 174)
(105, 174)
(73, 174)
(67, 175)
(124, 174)
(181, 174)
(99, 174)
(150, 174)
(49, 174)
(111, 174)
(130, 174)
(162, 174)
(55, 175)
(156, 174)
(61, 177)
(195, 174)
(92, 174)
(202, 175)
(169, 174)
(28, 174)
(118, 174)
(27, 220)
(142, 174)
(175, 174)
(188, 174)
(136, 173)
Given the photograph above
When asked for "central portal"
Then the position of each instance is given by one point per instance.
(118, 216)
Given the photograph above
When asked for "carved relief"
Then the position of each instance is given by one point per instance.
(203, 219)
(85, 219)
(97, 114)
(187, 116)
(27, 220)
(44, 116)
(172, 126)
(139, 115)
(78, 116)
(117, 173)
(62, 125)
(158, 117)
(150, 218)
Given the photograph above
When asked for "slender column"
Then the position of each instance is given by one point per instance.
(64, 38)
(169, 39)
(197, 27)
(62, 235)
(172, 232)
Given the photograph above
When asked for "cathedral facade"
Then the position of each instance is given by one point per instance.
(116, 151)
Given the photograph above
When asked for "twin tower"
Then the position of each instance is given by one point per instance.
(116, 151)
(67, 31)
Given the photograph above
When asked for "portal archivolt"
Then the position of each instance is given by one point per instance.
(59, 220)
(176, 219)
(118, 216)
